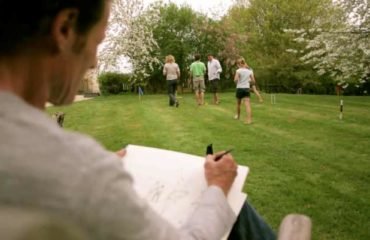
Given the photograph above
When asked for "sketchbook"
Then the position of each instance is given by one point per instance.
(172, 182)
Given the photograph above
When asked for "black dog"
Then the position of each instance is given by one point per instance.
(59, 116)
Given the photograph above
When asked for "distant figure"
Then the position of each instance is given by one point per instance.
(197, 71)
(253, 86)
(339, 89)
(243, 78)
(214, 70)
(172, 73)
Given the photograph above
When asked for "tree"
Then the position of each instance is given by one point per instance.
(174, 34)
(341, 50)
(182, 32)
(129, 35)
(263, 22)
(220, 39)
(144, 36)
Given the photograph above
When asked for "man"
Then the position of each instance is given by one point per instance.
(46, 47)
(197, 71)
(214, 70)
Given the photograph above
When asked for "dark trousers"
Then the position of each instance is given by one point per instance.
(250, 226)
(171, 90)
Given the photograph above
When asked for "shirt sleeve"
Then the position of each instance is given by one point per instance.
(237, 76)
(219, 68)
(115, 211)
(178, 70)
(165, 70)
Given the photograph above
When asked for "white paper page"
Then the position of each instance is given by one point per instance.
(172, 182)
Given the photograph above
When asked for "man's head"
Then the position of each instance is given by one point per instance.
(60, 36)
(197, 57)
(210, 57)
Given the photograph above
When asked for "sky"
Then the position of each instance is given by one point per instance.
(211, 7)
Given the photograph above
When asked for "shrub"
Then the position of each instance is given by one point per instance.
(114, 83)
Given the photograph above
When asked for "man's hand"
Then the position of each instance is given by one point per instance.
(121, 153)
(221, 173)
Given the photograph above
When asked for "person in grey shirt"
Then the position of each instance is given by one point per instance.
(171, 71)
(46, 47)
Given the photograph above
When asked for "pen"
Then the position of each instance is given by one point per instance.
(218, 157)
(209, 149)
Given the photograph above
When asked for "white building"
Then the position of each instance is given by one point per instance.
(90, 83)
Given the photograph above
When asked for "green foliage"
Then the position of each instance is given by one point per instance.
(255, 30)
(182, 32)
(174, 35)
(265, 50)
(114, 83)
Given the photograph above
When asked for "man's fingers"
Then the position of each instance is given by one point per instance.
(222, 172)
(121, 153)
(225, 159)
(214, 156)
(228, 162)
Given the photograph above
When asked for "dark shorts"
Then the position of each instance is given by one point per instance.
(214, 85)
(242, 93)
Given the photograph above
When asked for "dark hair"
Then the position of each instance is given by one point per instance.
(26, 20)
(197, 57)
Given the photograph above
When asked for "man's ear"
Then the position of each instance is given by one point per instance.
(63, 29)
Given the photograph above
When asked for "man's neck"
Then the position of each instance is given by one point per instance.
(25, 79)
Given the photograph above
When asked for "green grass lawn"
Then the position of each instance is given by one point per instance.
(301, 156)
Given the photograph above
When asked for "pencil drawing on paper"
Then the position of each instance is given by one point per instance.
(171, 182)
(155, 192)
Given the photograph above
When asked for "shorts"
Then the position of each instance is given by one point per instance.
(242, 93)
(198, 84)
(214, 85)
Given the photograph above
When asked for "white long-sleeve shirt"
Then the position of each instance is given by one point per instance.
(45, 167)
(214, 69)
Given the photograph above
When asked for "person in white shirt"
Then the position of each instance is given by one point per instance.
(243, 79)
(214, 70)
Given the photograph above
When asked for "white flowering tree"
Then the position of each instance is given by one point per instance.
(130, 39)
(342, 50)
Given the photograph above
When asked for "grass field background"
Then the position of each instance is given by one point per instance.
(302, 157)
